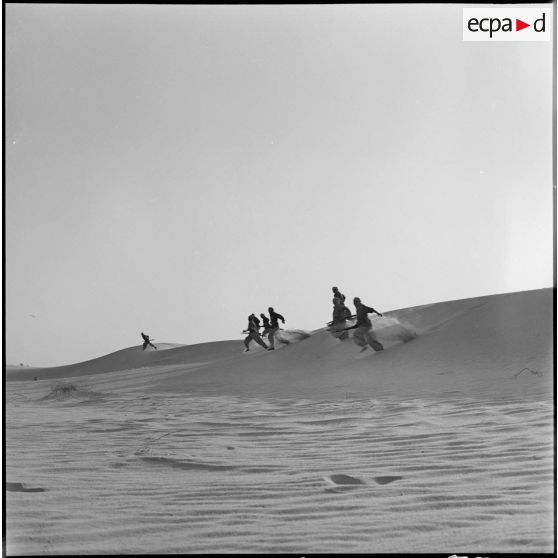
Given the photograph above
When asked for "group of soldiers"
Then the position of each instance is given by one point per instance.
(363, 335)
(339, 328)
(270, 325)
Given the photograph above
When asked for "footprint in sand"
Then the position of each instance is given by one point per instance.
(345, 480)
(20, 487)
(340, 482)
(386, 479)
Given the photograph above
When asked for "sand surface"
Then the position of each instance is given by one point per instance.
(441, 443)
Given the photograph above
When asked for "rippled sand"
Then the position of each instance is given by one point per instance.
(185, 474)
(442, 443)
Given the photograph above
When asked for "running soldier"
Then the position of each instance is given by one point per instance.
(146, 342)
(274, 318)
(364, 335)
(254, 333)
(266, 326)
(341, 297)
(338, 326)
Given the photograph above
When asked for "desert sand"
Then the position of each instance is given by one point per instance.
(441, 443)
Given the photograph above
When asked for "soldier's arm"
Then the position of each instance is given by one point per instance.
(372, 311)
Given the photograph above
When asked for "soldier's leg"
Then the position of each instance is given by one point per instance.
(247, 342)
(358, 336)
(270, 338)
(259, 340)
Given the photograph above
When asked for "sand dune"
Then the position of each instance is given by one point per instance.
(472, 346)
(441, 443)
(130, 358)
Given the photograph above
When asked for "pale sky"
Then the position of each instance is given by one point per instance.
(173, 168)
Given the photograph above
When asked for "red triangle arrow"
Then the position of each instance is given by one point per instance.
(519, 25)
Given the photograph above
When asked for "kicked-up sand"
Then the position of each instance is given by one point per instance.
(441, 443)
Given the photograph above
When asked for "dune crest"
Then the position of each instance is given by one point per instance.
(471, 346)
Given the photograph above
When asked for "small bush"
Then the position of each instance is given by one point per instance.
(63, 391)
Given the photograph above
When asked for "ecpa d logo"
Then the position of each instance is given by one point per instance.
(507, 24)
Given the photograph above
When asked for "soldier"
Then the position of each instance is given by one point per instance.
(274, 318)
(338, 294)
(341, 297)
(266, 326)
(338, 326)
(146, 342)
(364, 335)
(254, 333)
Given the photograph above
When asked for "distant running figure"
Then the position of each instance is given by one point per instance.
(364, 335)
(146, 342)
(274, 318)
(253, 333)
